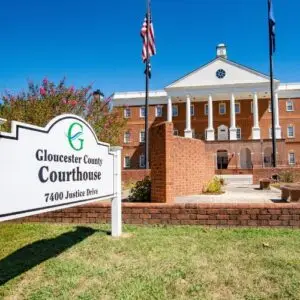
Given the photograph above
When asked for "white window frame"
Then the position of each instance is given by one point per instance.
(222, 104)
(287, 105)
(156, 114)
(192, 110)
(175, 132)
(141, 140)
(127, 109)
(287, 131)
(142, 162)
(174, 106)
(125, 161)
(125, 137)
(270, 106)
(240, 130)
(289, 158)
(206, 109)
(239, 106)
(142, 108)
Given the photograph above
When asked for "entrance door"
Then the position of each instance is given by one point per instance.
(222, 133)
(222, 159)
(245, 159)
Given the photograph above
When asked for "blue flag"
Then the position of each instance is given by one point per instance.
(271, 26)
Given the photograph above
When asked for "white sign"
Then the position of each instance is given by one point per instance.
(59, 166)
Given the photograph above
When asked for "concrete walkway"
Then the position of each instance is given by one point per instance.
(244, 193)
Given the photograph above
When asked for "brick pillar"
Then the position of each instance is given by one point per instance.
(162, 168)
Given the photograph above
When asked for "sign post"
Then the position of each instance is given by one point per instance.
(59, 166)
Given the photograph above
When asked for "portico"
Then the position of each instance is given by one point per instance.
(226, 81)
(230, 98)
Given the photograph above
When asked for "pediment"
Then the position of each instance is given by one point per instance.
(230, 73)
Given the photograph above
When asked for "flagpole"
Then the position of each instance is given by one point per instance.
(147, 91)
(272, 89)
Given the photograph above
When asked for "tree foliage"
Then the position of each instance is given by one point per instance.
(41, 103)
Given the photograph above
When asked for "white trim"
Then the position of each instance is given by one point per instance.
(127, 109)
(222, 104)
(141, 132)
(142, 161)
(124, 162)
(288, 101)
(175, 115)
(156, 114)
(287, 131)
(125, 137)
(141, 109)
(239, 106)
(289, 158)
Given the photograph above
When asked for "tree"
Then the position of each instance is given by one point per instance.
(41, 103)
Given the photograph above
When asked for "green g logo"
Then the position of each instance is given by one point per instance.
(74, 134)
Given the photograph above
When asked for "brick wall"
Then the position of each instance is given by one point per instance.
(129, 176)
(278, 215)
(259, 173)
(179, 166)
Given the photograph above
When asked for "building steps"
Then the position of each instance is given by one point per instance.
(237, 179)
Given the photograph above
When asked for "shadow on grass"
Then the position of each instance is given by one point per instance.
(33, 254)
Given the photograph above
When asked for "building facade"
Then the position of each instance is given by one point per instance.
(225, 104)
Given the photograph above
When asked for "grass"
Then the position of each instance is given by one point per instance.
(43, 261)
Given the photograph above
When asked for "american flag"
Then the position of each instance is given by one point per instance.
(144, 35)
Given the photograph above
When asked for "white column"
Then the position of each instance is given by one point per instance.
(210, 132)
(116, 202)
(232, 129)
(276, 114)
(188, 128)
(255, 128)
(170, 109)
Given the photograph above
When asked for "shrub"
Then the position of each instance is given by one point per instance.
(286, 176)
(141, 192)
(213, 186)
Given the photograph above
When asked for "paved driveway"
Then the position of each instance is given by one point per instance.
(243, 193)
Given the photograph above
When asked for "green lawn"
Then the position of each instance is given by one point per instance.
(43, 261)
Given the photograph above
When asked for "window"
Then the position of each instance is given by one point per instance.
(175, 131)
(237, 107)
(142, 136)
(222, 108)
(192, 110)
(270, 107)
(127, 112)
(174, 110)
(206, 109)
(142, 112)
(142, 161)
(292, 158)
(127, 137)
(127, 162)
(290, 131)
(251, 107)
(289, 105)
(238, 133)
(158, 111)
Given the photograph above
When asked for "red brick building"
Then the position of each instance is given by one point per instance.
(225, 104)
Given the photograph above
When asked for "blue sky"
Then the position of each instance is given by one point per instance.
(98, 40)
